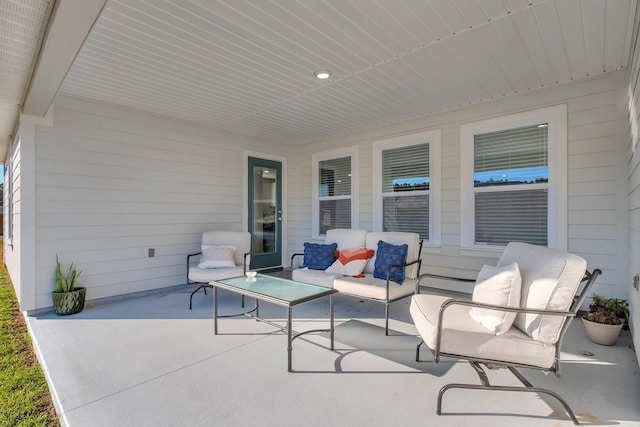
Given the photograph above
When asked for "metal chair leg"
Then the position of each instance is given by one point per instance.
(486, 386)
(386, 319)
(202, 286)
(418, 350)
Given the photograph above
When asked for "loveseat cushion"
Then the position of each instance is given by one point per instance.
(346, 238)
(318, 256)
(465, 337)
(395, 238)
(370, 287)
(314, 277)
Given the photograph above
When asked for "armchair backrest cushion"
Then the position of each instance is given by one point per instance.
(346, 238)
(550, 280)
(241, 240)
(412, 240)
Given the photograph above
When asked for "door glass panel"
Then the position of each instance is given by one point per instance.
(265, 216)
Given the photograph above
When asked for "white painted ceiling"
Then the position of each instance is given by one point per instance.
(22, 24)
(247, 67)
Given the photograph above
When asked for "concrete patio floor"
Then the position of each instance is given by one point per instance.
(150, 361)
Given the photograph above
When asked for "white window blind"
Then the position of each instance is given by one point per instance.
(334, 193)
(511, 177)
(405, 189)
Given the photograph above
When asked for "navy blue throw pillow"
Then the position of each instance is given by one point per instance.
(388, 254)
(319, 257)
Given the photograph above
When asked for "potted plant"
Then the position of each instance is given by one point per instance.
(605, 319)
(67, 298)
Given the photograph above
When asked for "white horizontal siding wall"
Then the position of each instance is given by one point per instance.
(112, 183)
(633, 173)
(596, 164)
(18, 239)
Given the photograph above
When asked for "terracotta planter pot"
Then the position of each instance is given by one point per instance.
(65, 303)
(600, 333)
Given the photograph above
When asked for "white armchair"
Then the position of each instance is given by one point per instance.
(538, 286)
(224, 254)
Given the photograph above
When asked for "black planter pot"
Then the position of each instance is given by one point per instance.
(65, 303)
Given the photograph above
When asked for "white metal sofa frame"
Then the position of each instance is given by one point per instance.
(475, 362)
(205, 284)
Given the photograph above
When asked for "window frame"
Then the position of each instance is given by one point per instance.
(556, 117)
(7, 191)
(316, 158)
(433, 138)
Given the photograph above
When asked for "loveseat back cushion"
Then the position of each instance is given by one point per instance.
(346, 238)
(550, 280)
(412, 240)
(240, 239)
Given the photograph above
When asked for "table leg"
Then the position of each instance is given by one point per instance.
(289, 339)
(331, 313)
(215, 310)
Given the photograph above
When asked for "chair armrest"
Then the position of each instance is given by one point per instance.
(294, 256)
(189, 261)
(391, 266)
(452, 302)
(247, 261)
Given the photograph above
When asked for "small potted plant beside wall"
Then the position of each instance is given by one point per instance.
(67, 298)
(605, 319)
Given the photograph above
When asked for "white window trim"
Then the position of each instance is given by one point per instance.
(556, 117)
(433, 138)
(8, 191)
(316, 158)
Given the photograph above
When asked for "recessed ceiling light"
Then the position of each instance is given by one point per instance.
(322, 74)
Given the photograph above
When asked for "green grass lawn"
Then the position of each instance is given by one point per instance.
(24, 394)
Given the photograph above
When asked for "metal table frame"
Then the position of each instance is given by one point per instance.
(291, 334)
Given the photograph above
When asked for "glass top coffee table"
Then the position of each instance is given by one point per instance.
(275, 290)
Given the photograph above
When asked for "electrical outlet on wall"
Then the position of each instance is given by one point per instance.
(152, 252)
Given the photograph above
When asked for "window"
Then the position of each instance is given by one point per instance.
(407, 177)
(8, 190)
(333, 195)
(513, 180)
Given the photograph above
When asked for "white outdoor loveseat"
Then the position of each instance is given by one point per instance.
(395, 279)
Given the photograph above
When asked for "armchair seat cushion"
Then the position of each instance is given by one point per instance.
(466, 338)
(205, 275)
(370, 287)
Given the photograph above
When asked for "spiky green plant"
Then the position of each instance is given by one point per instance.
(66, 283)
